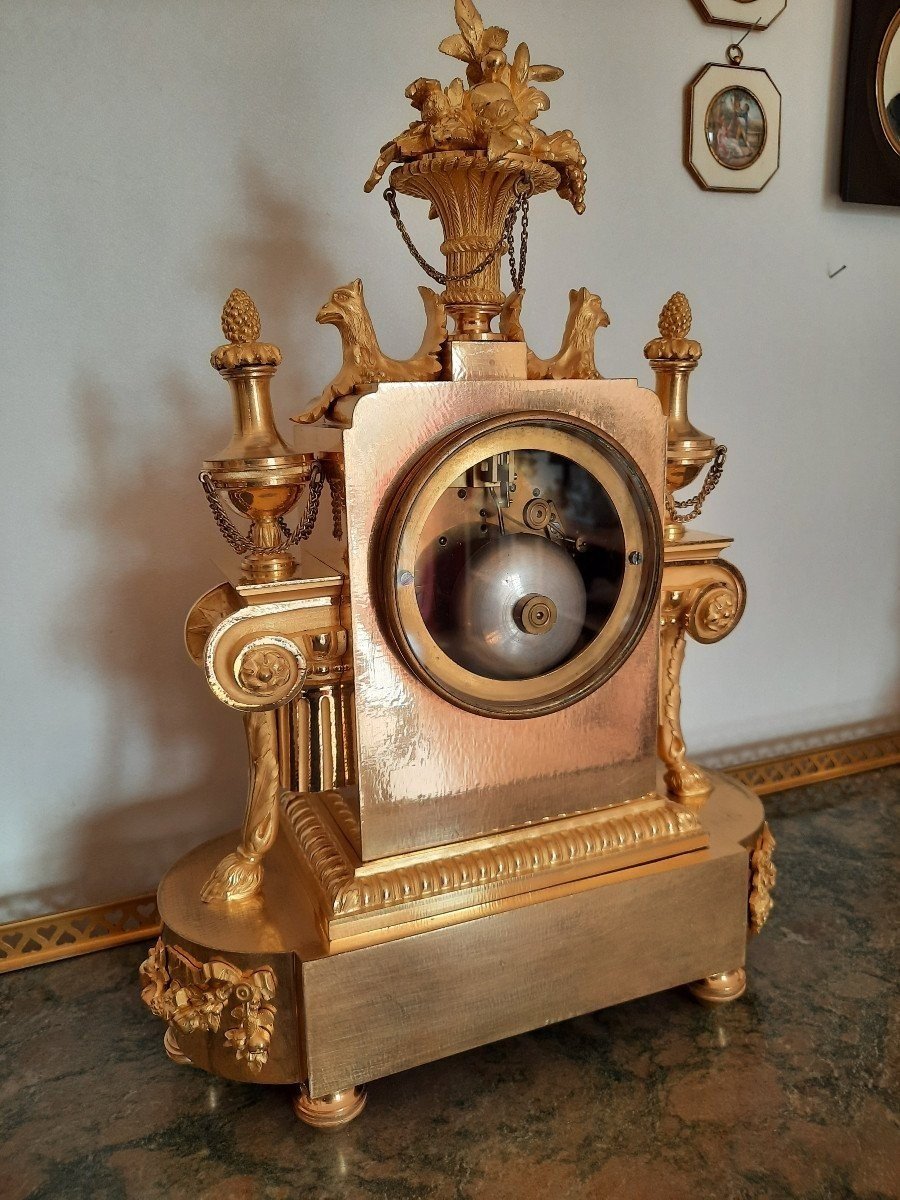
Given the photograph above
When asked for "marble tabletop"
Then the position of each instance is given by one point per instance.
(788, 1093)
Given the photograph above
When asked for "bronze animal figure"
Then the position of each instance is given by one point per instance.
(364, 361)
(575, 359)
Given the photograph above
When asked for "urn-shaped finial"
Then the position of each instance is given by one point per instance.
(257, 471)
(673, 356)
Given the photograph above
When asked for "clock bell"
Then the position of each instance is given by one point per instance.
(470, 808)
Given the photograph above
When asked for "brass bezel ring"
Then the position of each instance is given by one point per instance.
(396, 546)
(893, 31)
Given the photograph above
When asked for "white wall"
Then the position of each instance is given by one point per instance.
(157, 153)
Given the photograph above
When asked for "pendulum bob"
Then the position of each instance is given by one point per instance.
(519, 606)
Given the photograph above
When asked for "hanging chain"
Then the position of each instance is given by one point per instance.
(338, 500)
(517, 273)
(695, 503)
(310, 515)
(505, 243)
(243, 543)
(232, 535)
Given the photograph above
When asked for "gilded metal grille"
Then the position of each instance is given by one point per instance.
(795, 770)
(63, 935)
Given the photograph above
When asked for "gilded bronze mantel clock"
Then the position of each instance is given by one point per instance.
(470, 809)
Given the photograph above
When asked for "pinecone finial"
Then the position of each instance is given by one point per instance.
(240, 318)
(675, 318)
(673, 343)
(241, 326)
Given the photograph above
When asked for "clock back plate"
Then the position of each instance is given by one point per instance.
(430, 772)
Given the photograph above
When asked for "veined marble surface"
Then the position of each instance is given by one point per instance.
(788, 1093)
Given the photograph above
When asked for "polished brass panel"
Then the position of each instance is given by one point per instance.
(430, 772)
(487, 360)
(439, 993)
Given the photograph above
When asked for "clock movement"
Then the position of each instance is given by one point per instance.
(470, 810)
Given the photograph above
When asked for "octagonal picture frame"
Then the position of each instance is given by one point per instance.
(743, 14)
(732, 139)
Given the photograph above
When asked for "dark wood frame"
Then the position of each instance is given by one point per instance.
(870, 166)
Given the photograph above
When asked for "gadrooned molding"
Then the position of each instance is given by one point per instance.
(57, 936)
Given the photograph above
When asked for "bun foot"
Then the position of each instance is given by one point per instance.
(331, 1111)
(721, 988)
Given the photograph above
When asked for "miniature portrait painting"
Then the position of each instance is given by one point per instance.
(735, 128)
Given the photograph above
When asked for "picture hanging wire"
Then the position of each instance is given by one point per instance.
(734, 52)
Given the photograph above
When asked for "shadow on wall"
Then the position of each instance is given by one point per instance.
(158, 732)
(147, 534)
(276, 259)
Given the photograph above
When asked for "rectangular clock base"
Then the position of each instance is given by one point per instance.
(337, 1016)
(384, 1008)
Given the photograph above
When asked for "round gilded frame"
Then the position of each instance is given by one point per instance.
(396, 549)
(893, 31)
(737, 87)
